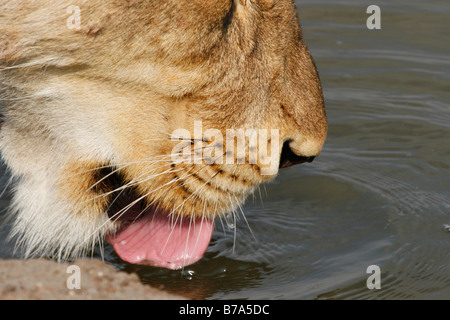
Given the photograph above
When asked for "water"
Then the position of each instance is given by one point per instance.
(379, 192)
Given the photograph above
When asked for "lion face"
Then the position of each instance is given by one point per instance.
(150, 119)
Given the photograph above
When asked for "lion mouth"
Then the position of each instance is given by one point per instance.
(156, 238)
(148, 235)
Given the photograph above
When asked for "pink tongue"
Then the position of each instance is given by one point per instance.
(161, 241)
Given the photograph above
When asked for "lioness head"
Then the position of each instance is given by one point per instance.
(144, 120)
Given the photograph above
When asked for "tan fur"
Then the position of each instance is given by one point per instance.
(109, 94)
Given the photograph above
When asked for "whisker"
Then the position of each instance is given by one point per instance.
(125, 164)
(103, 178)
(17, 99)
(193, 194)
(169, 134)
(187, 238)
(233, 215)
(160, 158)
(132, 183)
(172, 213)
(245, 219)
(170, 234)
(127, 207)
(206, 165)
(201, 225)
(25, 65)
(6, 186)
(111, 173)
(260, 196)
(117, 215)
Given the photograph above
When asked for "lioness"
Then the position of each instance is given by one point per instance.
(93, 92)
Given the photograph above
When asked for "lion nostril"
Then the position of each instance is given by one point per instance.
(289, 158)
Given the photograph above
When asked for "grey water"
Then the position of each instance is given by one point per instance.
(379, 192)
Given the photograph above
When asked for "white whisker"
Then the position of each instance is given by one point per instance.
(245, 219)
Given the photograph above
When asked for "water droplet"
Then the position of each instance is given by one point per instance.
(230, 220)
(188, 273)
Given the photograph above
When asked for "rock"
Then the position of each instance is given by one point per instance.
(40, 279)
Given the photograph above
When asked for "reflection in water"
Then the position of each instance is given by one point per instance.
(216, 273)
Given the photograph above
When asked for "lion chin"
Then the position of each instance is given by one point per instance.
(142, 122)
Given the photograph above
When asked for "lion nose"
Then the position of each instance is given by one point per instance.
(289, 158)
